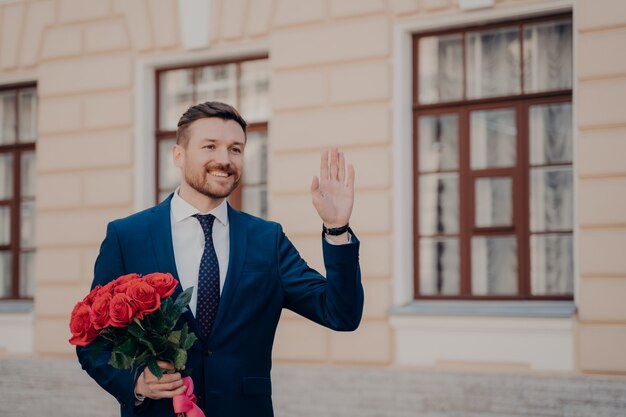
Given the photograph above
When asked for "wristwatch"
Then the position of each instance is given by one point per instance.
(336, 231)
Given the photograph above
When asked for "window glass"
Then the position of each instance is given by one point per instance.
(440, 68)
(8, 119)
(438, 142)
(493, 63)
(550, 133)
(28, 115)
(176, 96)
(439, 266)
(493, 202)
(493, 138)
(494, 265)
(548, 56)
(439, 204)
(254, 87)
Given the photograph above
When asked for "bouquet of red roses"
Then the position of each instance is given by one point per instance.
(134, 317)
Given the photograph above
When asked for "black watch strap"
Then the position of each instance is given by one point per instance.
(336, 231)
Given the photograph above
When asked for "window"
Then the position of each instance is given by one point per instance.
(493, 182)
(242, 84)
(18, 134)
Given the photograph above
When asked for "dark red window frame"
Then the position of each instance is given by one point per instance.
(16, 149)
(519, 173)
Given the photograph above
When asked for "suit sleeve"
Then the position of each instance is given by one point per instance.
(336, 301)
(119, 383)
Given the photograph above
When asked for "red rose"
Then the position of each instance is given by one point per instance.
(121, 310)
(121, 283)
(144, 296)
(92, 295)
(164, 284)
(100, 309)
(81, 326)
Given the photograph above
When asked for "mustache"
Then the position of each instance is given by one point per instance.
(225, 168)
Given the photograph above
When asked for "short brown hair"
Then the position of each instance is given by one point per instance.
(205, 110)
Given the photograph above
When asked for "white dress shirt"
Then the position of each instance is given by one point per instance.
(188, 242)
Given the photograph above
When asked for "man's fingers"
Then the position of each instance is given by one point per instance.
(315, 184)
(350, 182)
(341, 175)
(165, 365)
(334, 164)
(324, 166)
(166, 378)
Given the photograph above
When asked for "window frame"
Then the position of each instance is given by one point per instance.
(235, 199)
(16, 149)
(519, 173)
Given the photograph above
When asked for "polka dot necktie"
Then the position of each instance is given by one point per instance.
(208, 278)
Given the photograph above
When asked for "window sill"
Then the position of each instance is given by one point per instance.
(16, 306)
(485, 308)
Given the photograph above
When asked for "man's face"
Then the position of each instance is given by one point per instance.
(212, 162)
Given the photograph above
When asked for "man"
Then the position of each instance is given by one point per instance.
(244, 268)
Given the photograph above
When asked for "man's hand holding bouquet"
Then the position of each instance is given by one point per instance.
(133, 318)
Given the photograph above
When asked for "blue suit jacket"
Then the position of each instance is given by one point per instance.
(230, 369)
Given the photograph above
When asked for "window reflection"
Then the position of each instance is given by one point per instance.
(439, 266)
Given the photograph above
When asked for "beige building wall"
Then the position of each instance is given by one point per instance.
(335, 81)
(601, 203)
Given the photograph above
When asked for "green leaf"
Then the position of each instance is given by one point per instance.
(154, 368)
(135, 329)
(138, 322)
(187, 339)
(147, 344)
(184, 298)
(175, 337)
(180, 358)
(128, 348)
(119, 360)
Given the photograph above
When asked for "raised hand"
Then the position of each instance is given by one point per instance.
(333, 191)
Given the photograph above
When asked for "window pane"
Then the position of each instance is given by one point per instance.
(439, 204)
(176, 96)
(547, 56)
(255, 200)
(27, 225)
(6, 176)
(552, 264)
(494, 202)
(28, 174)
(169, 174)
(550, 133)
(551, 199)
(255, 158)
(440, 68)
(493, 63)
(28, 115)
(217, 83)
(439, 266)
(5, 225)
(5, 274)
(493, 136)
(438, 142)
(494, 265)
(8, 118)
(27, 274)
(255, 90)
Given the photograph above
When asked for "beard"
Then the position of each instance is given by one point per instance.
(201, 182)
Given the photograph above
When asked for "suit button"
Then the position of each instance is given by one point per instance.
(208, 352)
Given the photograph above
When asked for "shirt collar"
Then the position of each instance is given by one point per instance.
(182, 210)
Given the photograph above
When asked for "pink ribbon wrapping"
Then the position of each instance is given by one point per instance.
(186, 403)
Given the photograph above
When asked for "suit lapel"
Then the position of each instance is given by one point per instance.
(237, 255)
(161, 234)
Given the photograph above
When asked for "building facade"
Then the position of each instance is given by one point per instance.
(488, 139)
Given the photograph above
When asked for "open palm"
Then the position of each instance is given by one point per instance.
(333, 191)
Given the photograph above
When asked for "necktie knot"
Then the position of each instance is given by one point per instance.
(206, 221)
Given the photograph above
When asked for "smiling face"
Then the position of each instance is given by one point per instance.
(211, 162)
